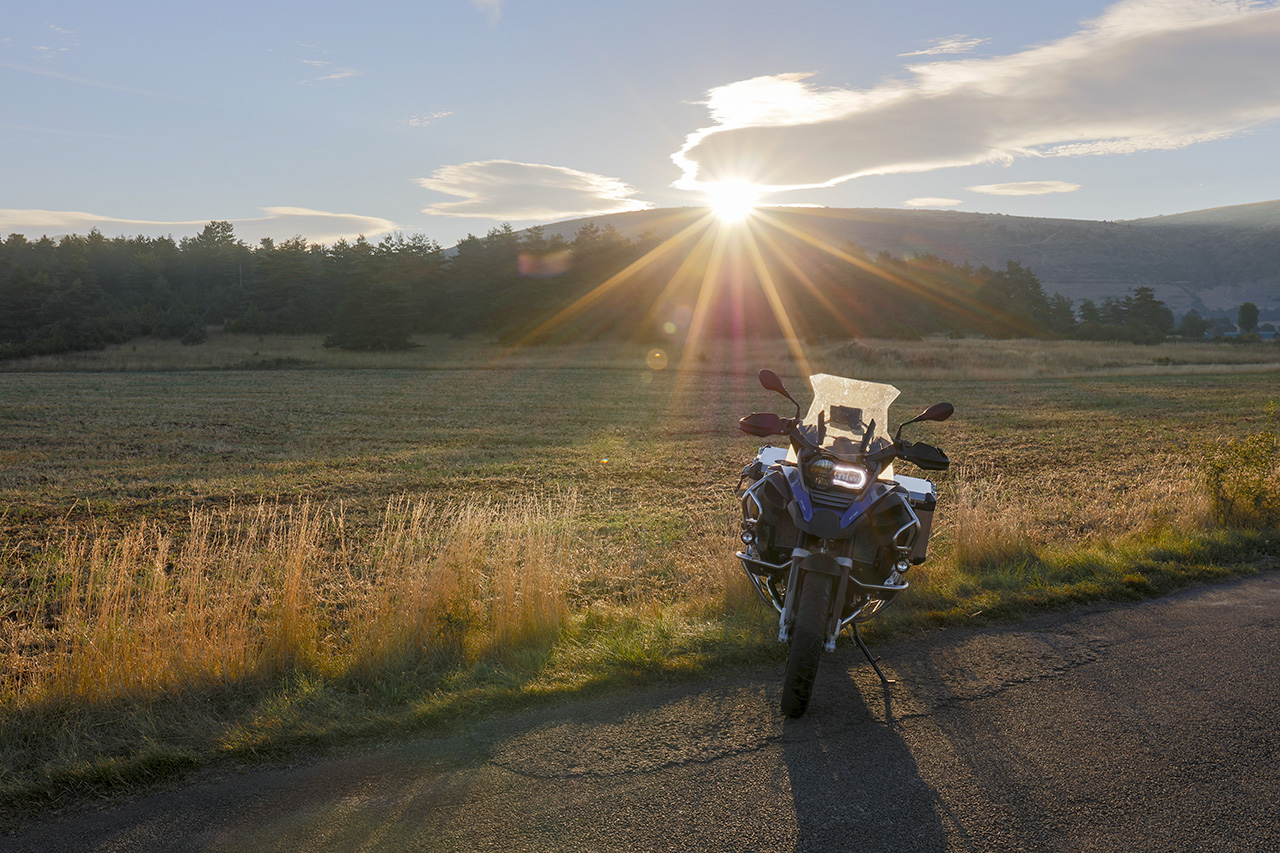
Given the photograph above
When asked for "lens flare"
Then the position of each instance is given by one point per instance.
(733, 201)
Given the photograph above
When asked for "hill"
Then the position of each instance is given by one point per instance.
(1259, 216)
(1211, 260)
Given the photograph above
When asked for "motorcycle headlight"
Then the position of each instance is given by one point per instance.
(852, 477)
(825, 473)
(821, 473)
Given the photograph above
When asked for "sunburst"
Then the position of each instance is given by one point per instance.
(733, 201)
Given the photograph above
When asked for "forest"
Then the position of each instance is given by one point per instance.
(83, 292)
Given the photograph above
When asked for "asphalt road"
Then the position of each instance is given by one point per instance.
(1134, 728)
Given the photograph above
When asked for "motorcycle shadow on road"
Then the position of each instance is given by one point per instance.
(854, 779)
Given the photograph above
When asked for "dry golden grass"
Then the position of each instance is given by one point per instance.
(252, 593)
(991, 524)
(991, 519)
(249, 593)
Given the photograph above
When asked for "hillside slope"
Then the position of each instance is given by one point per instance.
(1212, 260)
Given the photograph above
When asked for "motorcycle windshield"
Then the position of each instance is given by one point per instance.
(851, 407)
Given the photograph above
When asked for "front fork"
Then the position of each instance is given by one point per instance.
(835, 622)
(787, 618)
(804, 561)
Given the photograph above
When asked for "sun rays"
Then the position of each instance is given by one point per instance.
(736, 274)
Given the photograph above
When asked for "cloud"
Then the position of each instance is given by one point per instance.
(505, 190)
(340, 74)
(1147, 74)
(1026, 188)
(81, 81)
(46, 52)
(932, 202)
(316, 226)
(949, 44)
(335, 74)
(429, 118)
(492, 9)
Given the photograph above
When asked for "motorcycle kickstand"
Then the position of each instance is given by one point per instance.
(857, 638)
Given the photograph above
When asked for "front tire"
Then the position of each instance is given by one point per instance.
(807, 638)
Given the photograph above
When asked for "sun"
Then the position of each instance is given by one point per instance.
(732, 201)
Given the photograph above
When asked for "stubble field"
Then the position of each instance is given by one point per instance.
(218, 561)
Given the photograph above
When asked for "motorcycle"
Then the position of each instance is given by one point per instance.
(829, 530)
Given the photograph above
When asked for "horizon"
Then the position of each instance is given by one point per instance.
(194, 228)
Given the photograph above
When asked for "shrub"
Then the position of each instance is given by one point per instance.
(1243, 477)
(194, 336)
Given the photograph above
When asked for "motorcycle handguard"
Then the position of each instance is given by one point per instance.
(762, 424)
(925, 456)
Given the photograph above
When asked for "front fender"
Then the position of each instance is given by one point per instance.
(823, 564)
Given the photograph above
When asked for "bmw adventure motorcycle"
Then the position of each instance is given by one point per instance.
(829, 530)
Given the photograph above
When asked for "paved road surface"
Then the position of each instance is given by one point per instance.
(1135, 728)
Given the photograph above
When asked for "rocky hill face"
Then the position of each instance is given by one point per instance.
(1211, 260)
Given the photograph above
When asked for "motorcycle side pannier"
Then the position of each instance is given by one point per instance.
(923, 497)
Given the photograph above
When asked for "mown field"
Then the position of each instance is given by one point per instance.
(258, 545)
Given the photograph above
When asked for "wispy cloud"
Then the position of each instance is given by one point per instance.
(948, 44)
(1026, 188)
(927, 201)
(97, 84)
(491, 9)
(339, 74)
(332, 72)
(63, 42)
(505, 190)
(1147, 74)
(316, 226)
(428, 118)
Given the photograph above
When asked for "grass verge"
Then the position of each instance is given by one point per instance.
(246, 652)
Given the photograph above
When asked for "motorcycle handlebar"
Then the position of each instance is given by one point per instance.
(924, 455)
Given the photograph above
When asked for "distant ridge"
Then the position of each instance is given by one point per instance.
(1211, 260)
(1260, 215)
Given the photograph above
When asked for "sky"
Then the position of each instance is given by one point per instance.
(452, 117)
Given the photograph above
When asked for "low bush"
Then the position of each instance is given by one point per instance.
(1242, 477)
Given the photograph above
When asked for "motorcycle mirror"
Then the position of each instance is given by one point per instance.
(771, 382)
(936, 412)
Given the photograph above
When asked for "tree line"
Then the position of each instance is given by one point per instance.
(86, 291)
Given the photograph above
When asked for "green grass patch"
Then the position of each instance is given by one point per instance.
(1063, 578)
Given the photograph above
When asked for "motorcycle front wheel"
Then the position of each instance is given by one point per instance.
(807, 637)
